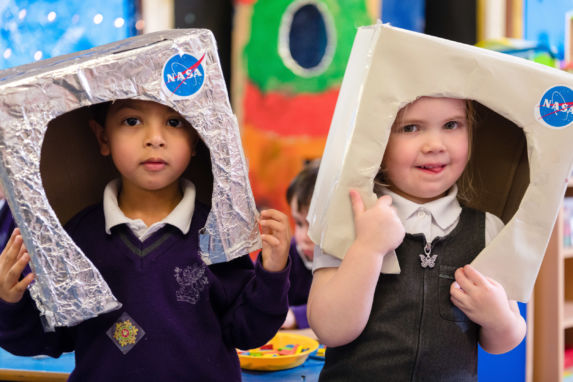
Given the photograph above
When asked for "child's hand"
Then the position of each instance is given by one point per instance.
(13, 260)
(482, 299)
(275, 233)
(378, 228)
(485, 302)
(290, 321)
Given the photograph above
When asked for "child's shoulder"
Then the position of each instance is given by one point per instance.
(201, 209)
(89, 217)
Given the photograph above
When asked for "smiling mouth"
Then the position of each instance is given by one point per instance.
(433, 168)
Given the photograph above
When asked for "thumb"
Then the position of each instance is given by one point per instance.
(357, 203)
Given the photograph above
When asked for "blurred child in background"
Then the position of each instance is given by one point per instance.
(299, 194)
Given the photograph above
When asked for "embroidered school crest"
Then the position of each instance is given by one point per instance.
(192, 280)
(125, 333)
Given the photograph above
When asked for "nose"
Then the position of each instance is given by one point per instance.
(433, 142)
(154, 136)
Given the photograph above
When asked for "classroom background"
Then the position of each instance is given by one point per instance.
(284, 61)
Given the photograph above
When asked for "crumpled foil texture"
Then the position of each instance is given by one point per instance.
(68, 288)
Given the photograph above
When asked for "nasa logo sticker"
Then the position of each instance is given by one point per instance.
(556, 107)
(183, 75)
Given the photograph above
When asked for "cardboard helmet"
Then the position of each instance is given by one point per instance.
(521, 156)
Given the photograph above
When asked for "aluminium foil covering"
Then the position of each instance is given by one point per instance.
(50, 167)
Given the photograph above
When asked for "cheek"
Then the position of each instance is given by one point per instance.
(301, 234)
(122, 155)
(460, 150)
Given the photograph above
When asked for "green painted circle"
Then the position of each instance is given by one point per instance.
(266, 68)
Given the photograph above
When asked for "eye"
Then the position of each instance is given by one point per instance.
(131, 121)
(174, 122)
(409, 129)
(450, 125)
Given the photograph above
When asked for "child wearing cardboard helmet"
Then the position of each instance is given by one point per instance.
(425, 322)
(181, 319)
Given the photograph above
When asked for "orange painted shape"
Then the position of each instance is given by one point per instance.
(289, 116)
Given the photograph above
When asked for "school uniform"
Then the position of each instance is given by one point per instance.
(414, 332)
(181, 320)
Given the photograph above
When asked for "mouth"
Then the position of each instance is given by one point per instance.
(432, 168)
(154, 164)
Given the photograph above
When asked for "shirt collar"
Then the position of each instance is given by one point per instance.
(445, 211)
(180, 217)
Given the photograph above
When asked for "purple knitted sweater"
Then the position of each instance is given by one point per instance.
(181, 320)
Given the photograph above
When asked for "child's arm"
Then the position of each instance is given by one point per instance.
(21, 331)
(276, 240)
(13, 260)
(341, 298)
(485, 302)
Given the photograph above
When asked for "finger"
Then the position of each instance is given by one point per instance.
(385, 200)
(357, 203)
(23, 284)
(457, 294)
(13, 249)
(15, 233)
(16, 270)
(273, 226)
(270, 240)
(456, 289)
(474, 275)
(272, 214)
(463, 281)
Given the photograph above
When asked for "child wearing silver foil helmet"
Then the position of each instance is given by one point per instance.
(181, 319)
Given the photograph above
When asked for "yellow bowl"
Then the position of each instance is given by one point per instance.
(279, 362)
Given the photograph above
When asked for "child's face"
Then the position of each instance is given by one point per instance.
(428, 148)
(301, 238)
(150, 144)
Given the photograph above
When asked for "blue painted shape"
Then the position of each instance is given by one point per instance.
(308, 37)
(508, 367)
(405, 14)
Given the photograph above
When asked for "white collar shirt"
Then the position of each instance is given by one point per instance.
(436, 218)
(180, 216)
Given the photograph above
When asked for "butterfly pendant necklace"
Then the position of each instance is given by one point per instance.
(427, 260)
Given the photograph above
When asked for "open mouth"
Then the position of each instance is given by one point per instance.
(432, 168)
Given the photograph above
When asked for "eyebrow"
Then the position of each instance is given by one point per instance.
(417, 121)
(125, 104)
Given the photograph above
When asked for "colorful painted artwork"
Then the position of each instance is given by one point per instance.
(32, 30)
(290, 57)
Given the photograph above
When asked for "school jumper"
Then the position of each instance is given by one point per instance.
(181, 320)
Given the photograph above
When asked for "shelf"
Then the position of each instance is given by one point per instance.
(568, 315)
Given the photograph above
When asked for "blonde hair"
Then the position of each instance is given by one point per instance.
(466, 189)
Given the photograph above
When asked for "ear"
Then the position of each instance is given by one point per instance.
(194, 141)
(101, 137)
